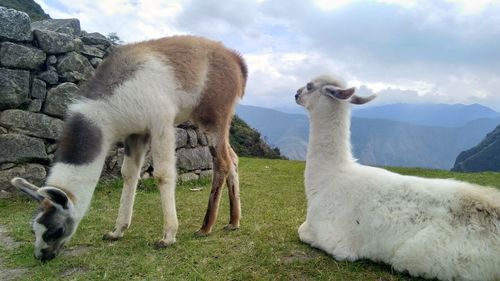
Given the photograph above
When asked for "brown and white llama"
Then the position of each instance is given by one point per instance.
(137, 95)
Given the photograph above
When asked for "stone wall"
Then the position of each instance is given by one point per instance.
(42, 65)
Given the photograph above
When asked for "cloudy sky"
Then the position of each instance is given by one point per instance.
(411, 51)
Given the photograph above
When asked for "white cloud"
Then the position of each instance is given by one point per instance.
(431, 50)
(329, 5)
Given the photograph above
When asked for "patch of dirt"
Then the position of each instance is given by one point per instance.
(298, 257)
(73, 271)
(10, 274)
(6, 241)
(76, 251)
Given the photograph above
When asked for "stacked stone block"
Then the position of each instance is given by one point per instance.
(42, 66)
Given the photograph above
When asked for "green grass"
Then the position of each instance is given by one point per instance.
(266, 247)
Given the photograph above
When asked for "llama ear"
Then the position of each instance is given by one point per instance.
(55, 195)
(361, 100)
(29, 189)
(335, 92)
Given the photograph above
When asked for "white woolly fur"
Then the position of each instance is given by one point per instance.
(433, 228)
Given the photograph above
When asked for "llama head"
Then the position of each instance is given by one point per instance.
(325, 90)
(54, 224)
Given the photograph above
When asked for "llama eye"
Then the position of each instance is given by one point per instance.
(53, 234)
(309, 86)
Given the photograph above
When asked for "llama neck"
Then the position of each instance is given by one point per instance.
(77, 180)
(329, 136)
(80, 156)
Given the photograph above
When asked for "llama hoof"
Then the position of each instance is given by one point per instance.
(201, 233)
(230, 227)
(110, 236)
(162, 244)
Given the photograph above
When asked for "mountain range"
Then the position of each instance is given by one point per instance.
(483, 157)
(429, 136)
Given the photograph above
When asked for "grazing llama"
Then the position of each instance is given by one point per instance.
(433, 228)
(138, 94)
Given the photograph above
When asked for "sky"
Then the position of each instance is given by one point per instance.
(428, 51)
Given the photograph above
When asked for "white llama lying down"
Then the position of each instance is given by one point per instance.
(433, 228)
(138, 94)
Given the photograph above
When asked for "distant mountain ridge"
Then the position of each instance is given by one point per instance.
(441, 115)
(483, 157)
(444, 115)
(375, 141)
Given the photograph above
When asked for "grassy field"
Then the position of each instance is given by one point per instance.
(266, 247)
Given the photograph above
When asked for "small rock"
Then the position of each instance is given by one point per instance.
(78, 44)
(34, 173)
(111, 49)
(38, 89)
(33, 124)
(59, 98)
(206, 174)
(181, 137)
(3, 130)
(51, 60)
(6, 166)
(67, 26)
(190, 159)
(101, 47)
(15, 25)
(53, 42)
(113, 162)
(74, 67)
(202, 138)
(20, 56)
(92, 51)
(51, 148)
(20, 149)
(15, 87)
(49, 76)
(95, 62)
(35, 105)
(187, 177)
(192, 137)
(4, 195)
(95, 38)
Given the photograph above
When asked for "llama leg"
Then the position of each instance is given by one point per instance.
(135, 149)
(305, 234)
(222, 162)
(163, 153)
(233, 186)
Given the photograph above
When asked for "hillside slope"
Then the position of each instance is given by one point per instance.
(483, 157)
(246, 141)
(30, 7)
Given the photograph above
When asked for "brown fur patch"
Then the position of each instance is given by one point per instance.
(225, 82)
(191, 55)
(46, 205)
(188, 55)
(479, 209)
(117, 68)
